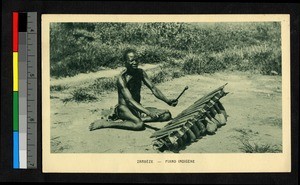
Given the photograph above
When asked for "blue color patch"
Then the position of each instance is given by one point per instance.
(16, 163)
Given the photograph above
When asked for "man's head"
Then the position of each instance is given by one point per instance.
(129, 57)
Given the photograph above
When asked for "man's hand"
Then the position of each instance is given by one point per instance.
(172, 102)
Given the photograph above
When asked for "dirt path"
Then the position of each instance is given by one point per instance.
(253, 104)
(82, 77)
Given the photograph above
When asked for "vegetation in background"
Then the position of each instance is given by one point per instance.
(80, 95)
(58, 87)
(103, 85)
(247, 147)
(199, 47)
(178, 48)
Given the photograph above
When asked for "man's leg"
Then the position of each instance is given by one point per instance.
(165, 115)
(131, 122)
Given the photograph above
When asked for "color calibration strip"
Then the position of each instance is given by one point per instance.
(24, 90)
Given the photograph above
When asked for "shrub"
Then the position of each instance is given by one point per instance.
(204, 47)
(258, 148)
(80, 95)
(160, 77)
(253, 58)
(195, 64)
(103, 85)
(58, 87)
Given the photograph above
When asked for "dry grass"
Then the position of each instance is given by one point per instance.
(58, 87)
(253, 147)
(203, 48)
(80, 95)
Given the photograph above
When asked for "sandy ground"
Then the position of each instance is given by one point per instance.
(253, 104)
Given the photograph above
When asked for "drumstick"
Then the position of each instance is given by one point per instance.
(186, 88)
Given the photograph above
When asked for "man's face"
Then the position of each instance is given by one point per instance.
(131, 61)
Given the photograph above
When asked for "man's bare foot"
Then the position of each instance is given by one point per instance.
(98, 124)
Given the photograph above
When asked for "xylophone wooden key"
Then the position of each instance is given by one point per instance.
(205, 116)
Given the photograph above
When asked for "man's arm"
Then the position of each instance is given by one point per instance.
(128, 98)
(157, 93)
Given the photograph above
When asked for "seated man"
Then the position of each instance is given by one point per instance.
(129, 109)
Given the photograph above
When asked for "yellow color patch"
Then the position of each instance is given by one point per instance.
(15, 71)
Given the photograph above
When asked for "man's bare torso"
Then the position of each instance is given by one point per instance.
(133, 82)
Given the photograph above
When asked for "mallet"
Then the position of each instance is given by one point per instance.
(186, 88)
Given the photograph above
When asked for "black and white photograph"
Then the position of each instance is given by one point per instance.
(162, 92)
(176, 86)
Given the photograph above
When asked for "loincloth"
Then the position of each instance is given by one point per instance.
(115, 115)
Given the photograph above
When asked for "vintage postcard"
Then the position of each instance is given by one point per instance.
(166, 93)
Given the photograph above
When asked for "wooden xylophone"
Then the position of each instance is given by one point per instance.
(203, 117)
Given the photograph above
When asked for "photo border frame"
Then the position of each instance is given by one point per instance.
(105, 7)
